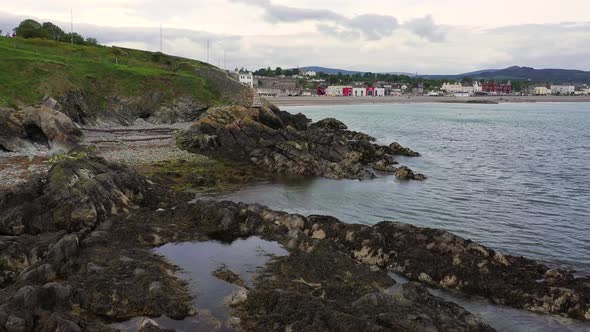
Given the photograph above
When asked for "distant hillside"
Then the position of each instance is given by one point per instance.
(335, 71)
(516, 73)
(330, 71)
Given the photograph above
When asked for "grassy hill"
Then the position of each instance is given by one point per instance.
(35, 68)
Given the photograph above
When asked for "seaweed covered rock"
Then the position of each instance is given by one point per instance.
(431, 256)
(398, 149)
(284, 143)
(405, 173)
(326, 290)
(76, 194)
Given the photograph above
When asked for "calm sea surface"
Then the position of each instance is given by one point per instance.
(515, 177)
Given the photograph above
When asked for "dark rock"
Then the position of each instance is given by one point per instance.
(325, 290)
(329, 124)
(283, 143)
(397, 149)
(227, 275)
(404, 173)
(15, 324)
(76, 194)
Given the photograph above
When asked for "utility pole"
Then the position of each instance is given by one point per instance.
(160, 38)
(224, 61)
(72, 25)
(207, 50)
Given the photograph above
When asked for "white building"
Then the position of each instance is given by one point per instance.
(461, 89)
(562, 89)
(359, 92)
(379, 92)
(452, 87)
(310, 73)
(542, 91)
(477, 88)
(335, 90)
(246, 78)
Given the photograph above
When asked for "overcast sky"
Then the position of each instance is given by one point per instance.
(424, 36)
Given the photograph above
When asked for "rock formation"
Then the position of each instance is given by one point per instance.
(284, 143)
(35, 128)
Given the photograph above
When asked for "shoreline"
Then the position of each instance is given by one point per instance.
(328, 100)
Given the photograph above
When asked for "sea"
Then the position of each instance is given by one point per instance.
(513, 176)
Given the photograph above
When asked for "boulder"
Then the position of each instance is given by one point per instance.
(74, 195)
(404, 173)
(37, 128)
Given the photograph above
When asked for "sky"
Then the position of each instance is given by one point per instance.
(416, 36)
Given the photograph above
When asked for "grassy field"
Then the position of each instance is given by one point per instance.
(32, 68)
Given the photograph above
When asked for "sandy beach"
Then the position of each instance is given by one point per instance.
(325, 100)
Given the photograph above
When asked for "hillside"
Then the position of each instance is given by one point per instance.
(93, 81)
(330, 71)
(516, 73)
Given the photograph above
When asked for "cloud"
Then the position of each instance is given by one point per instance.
(369, 26)
(349, 42)
(426, 28)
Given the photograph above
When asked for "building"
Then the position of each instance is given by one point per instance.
(379, 92)
(541, 91)
(477, 88)
(277, 86)
(562, 89)
(339, 90)
(493, 88)
(310, 73)
(454, 88)
(359, 92)
(246, 78)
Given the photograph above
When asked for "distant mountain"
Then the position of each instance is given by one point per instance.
(330, 71)
(514, 73)
(517, 73)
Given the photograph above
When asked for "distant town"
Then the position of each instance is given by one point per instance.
(295, 82)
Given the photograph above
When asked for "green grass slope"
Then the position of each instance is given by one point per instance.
(33, 68)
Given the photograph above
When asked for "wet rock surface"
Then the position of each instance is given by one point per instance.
(85, 260)
(325, 289)
(280, 142)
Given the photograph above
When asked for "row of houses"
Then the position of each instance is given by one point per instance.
(489, 88)
(554, 89)
(350, 91)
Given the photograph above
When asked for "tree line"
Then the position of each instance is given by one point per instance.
(30, 28)
(369, 78)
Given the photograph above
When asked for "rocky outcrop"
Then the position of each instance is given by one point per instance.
(35, 128)
(404, 173)
(284, 143)
(76, 194)
(398, 149)
(153, 107)
(52, 240)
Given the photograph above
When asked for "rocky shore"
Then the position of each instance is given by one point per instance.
(76, 255)
(77, 244)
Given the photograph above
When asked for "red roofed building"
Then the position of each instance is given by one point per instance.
(496, 88)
